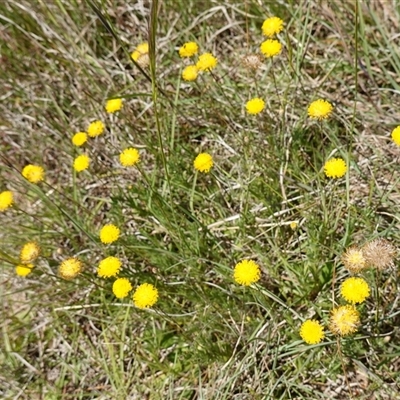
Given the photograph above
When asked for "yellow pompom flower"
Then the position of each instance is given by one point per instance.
(255, 106)
(109, 233)
(146, 295)
(271, 48)
(96, 128)
(81, 163)
(354, 290)
(79, 139)
(24, 269)
(354, 260)
(6, 200)
(121, 288)
(108, 267)
(33, 173)
(70, 268)
(190, 73)
(203, 162)
(206, 62)
(141, 50)
(113, 105)
(344, 320)
(246, 272)
(335, 168)
(129, 157)
(188, 49)
(320, 109)
(30, 252)
(272, 26)
(311, 331)
(396, 135)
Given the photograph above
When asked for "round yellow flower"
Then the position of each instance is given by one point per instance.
(203, 162)
(354, 290)
(190, 73)
(146, 295)
(189, 49)
(335, 168)
(79, 139)
(320, 109)
(121, 288)
(255, 106)
(271, 48)
(246, 272)
(96, 128)
(23, 270)
(129, 157)
(81, 163)
(272, 26)
(206, 62)
(33, 173)
(70, 268)
(396, 135)
(113, 105)
(109, 233)
(6, 200)
(110, 266)
(311, 331)
(354, 260)
(141, 50)
(30, 252)
(344, 320)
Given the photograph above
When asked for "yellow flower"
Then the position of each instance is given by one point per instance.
(190, 73)
(188, 49)
(110, 266)
(96, 128)
(255, 106)
(380, 253)
(354, 290)
(396, 135)
(246, 272)
(81, 163)
(270, 48)
(320, 109)
(30, 252)
(23, 270)
(121, 288)
(129, 157)
(335, 168)
(311, 331)
(141, 55)
(293, 225)
(203, 162)
(354, 260)
(272, 26)
(79, 139)
(70, 268)
(113, 105)
(33, 173)
(109, 234)
(344, 320)
(146, 295)
(206, 62)
(6, 200)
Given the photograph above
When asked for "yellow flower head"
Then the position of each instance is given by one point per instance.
(354, 260)
(344, 320)
(335, 168)
(30, 252)
(203, 162)
(79, 139)
(109, 234)
(190, 73)
(311, 331)
(129, 157)
(354, 290)
(246, 272)
(33, 173)
(255, 106)
(320, 109)
(110, 266)
(380, 253)
(188, 49)
(271, 48)
(146, 295)
(23, 270)
(70, 268)
(206, 62)
(293, 225)
(81, 163)
(396, 135)
(6, 200)
(113, 105)
(141, 55)
(121, 288)
(272, 26)
(96, 128)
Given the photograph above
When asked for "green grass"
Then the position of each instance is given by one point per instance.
(183, 231)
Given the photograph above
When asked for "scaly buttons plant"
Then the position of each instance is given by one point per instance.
(121, 288)
(255, 106)
(30, 252)
(320, 109)
(81, 163)
(271, 48)
(129, 157)
(113, 105)
(108, 267)
(354, 290)
(146, 295)
(6, 200)
(246, 272)
(311, 331)
(272, 26)
(79, 139)
(188, 49)
(203, 162)
(206, 62)
(109, 233)
(33, 173)
(96, 128)
(335, 168)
